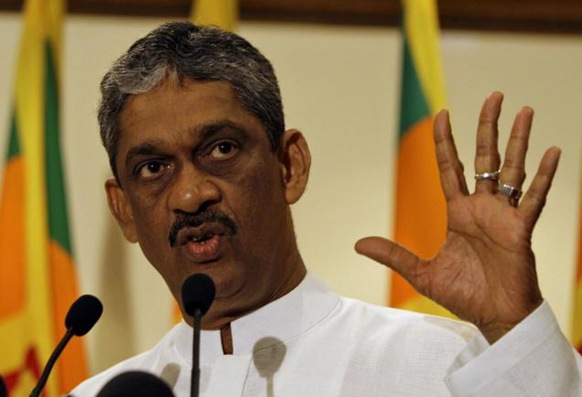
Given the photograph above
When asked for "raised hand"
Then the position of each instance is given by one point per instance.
(485, 271)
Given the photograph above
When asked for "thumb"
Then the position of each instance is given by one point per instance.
(389, 254)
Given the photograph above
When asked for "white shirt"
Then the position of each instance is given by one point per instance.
(312, 342)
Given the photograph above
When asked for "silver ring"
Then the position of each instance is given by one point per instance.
(511, 192)
(488, 176)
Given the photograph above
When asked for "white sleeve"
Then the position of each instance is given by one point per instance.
(533, 359)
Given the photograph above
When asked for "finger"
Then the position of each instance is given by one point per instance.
(450, 168)
(487, 157)
(535, 198)
(513, 169)
(390, 254)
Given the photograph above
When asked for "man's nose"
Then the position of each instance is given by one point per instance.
(193, 190)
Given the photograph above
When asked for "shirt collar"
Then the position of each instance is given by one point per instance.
(298, 311)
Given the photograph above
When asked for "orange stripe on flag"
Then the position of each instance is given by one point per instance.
(72, 365)
(12, 273)
(421, 223)
(577, 306)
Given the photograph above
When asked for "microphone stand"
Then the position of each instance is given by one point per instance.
(51, 362)
(198, 292)
(195, 376)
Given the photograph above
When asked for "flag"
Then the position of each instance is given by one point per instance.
(420, 213)
(37, 274)
(221, 13)
(577, 306)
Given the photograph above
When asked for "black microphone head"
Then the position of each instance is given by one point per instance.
(134, 384)
(83, 314)
(197, 293)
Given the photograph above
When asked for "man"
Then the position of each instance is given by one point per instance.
(204, 174)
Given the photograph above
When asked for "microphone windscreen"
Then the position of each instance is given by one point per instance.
(134, 384)
(83, 314)
(197, 293)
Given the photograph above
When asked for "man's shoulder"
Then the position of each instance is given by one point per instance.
(377, 320)
(376, 325)
(91, 386)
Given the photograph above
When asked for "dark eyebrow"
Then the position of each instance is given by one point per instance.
(145, 149)
(208, 129)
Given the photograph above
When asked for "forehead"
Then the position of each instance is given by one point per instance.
(186, 97)
(180, 107)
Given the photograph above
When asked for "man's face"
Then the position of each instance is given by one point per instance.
(202, 191)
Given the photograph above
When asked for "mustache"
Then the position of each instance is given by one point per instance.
(196, 220)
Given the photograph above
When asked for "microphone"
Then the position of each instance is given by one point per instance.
(197, 295)
(134, 384)
(81, 317)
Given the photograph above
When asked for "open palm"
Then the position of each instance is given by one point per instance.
(485, 271)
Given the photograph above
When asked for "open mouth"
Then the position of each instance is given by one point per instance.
(200, 227)
(200, 235)
(205, 247)
(201, 239)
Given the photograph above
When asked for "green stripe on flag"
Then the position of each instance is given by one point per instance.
(413, 107)
(58, 216)
(13, 141)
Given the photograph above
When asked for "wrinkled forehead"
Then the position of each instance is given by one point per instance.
(176, 111)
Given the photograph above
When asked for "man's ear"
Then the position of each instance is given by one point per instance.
(121, 210)
(295, 162)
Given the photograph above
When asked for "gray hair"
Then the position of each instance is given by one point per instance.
(203, 53)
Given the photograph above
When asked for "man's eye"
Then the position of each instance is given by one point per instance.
(150, 169)
(223, 150)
